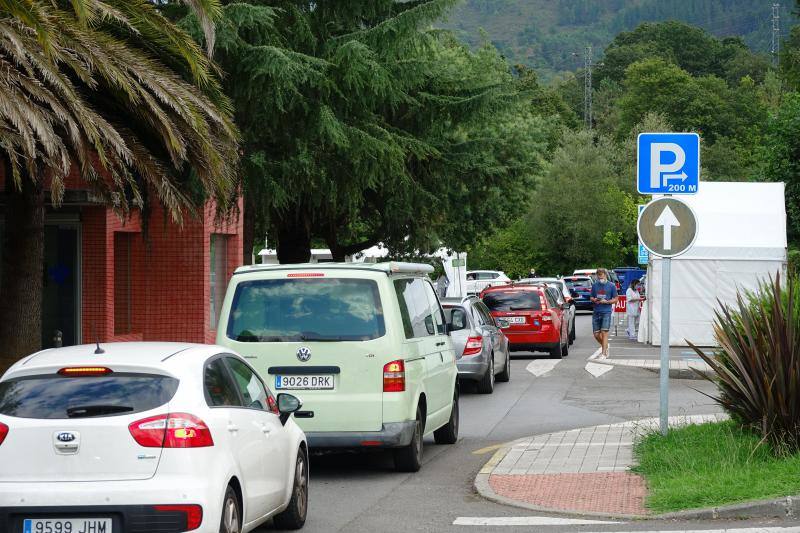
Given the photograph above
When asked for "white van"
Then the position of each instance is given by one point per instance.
(365, 346)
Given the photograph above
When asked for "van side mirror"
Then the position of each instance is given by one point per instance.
(288, 404)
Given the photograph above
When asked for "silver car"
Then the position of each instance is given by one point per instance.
(482, 353)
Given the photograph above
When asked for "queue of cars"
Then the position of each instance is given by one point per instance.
(168, 437)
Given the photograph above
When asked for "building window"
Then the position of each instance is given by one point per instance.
(219, 275)
(123, 297)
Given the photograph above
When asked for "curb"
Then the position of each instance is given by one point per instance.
(787, 507)
(675, 373)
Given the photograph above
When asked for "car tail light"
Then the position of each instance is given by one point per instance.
(394, 376)
(194, 513)
(3, 432)
(546, 317)
(175, 430)
(306, 275)
(82, 371)
(473, 346)
(273, 405)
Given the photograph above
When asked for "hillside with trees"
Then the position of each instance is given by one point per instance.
(547, 34)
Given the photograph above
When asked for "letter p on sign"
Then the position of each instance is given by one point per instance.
(658, 168)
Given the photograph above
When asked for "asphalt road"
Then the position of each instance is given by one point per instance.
(363, 493)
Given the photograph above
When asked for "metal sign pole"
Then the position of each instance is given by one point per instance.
(664, 374)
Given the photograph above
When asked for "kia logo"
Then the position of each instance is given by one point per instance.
(303, 354)
(65, 437)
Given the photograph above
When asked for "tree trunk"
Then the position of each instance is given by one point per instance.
(21, 276)
(248, 229)
(294, 239)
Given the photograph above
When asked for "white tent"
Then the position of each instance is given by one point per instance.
(741, 240)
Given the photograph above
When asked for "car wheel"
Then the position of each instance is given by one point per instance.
(294, 517)
(565, 349)
(572, 332)
(448, 434)
(486, 384)
(556, 352)
(505, 375)
(231, 521)
(409, 458)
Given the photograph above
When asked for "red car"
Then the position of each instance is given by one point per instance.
(532, 319)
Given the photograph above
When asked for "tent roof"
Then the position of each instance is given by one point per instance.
(739, 221)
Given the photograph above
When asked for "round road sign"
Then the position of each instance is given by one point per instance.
(667, 227)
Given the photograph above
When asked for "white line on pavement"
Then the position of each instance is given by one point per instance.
(597, 370)
(551, 521)
(524, 521)
(540, 367)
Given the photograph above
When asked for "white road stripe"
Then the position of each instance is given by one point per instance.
(552, 521)
(540, 367)
(597, 370)
(524, 521)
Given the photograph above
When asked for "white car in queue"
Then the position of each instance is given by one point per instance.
(147, 437)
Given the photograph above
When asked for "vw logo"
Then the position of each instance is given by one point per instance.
(65, 437)
(303, 354)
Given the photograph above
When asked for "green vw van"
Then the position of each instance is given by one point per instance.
(365, 346)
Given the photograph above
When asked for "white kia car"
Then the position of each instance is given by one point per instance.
(147, 437)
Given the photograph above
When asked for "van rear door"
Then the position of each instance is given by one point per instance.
(320, 335)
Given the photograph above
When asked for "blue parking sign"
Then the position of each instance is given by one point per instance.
(644, 254)
(668, 163)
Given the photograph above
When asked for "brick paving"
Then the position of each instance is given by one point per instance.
(580, 470)
(612, 492)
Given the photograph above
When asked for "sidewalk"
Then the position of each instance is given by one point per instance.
(625, 352)
(581, 471)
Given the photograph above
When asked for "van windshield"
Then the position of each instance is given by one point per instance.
(298, 310)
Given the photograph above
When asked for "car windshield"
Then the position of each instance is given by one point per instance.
(579, 284)
(296, 310)
(57, 397)
(512, 300)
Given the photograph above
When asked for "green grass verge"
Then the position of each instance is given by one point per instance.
(712, 464)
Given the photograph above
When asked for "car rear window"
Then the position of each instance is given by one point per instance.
(580, 283)
(512, 300)
(57, 397)
(293, 310)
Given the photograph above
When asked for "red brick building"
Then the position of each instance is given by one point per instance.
(104, 279)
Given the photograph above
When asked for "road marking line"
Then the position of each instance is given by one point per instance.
(489, 467)
(524, 521)
(597, 370)
(540, 367)
(488, 449)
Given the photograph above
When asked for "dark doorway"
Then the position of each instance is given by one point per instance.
(60, 304)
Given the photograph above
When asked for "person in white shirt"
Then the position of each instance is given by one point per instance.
(633, 298)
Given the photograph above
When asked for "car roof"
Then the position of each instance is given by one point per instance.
(127, 354)
(512, 287)
(454, 300)
(388, 267)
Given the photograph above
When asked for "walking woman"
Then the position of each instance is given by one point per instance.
(633, 298)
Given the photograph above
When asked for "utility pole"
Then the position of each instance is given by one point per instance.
(587, 87)
(776, 33)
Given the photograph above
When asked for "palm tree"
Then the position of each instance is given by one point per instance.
(112, 90)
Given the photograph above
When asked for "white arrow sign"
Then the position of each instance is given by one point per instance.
(667, 220)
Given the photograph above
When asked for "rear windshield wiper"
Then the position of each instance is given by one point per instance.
(84, 411)
(520, 308)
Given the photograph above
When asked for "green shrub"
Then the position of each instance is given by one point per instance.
(758, 366)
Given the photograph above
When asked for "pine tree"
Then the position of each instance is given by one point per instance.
(362, 124)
